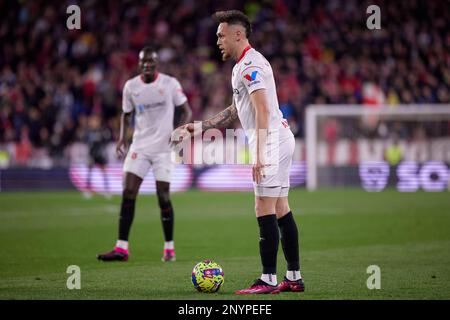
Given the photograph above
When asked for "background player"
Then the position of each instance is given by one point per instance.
(152, 97)
(97, 137)
(255, 103)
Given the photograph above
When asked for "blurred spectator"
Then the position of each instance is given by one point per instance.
(23, 147)
(51, 77)
(393, 153)
(96, 137)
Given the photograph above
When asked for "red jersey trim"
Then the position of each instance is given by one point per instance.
(244, 52)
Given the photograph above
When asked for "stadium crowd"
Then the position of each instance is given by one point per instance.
(53, 79)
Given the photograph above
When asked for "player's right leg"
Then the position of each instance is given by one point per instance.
(289, 241)
(136, 168)
(130, 191)
(274, 183)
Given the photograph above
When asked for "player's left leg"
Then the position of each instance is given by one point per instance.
(274, 184)
(269, 238)
(162, 170)
(167, 219)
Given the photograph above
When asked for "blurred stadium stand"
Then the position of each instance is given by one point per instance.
(53, 79)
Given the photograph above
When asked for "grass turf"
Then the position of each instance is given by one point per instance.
(342, 232)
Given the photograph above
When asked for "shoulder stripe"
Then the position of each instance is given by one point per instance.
(252, 67)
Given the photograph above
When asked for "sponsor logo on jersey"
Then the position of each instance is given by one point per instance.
(251, 77)
(252, 83)
(235, 91)
(142, 107)
(248, 63)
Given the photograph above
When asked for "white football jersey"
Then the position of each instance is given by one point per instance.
(153, 105)
(253, 72)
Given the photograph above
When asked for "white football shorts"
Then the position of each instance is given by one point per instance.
(275, 181)
(139, 164)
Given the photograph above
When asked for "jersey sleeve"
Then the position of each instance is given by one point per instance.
(127, 103)
(254, 78)
(178, 96)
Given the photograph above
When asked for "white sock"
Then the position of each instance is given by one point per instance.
(169, 245)
(293, 275)
(269, 279)
(122, 244)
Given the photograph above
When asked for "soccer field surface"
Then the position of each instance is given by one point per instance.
(342, 232)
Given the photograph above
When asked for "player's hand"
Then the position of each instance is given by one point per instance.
(181, 133)
(189, 127)
(120, 148)
(257, 172)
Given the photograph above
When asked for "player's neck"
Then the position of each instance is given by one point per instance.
(242, 50)
(149, 78)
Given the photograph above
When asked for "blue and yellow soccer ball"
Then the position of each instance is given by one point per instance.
(207, 276)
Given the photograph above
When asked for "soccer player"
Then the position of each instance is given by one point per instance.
(255, 104)
(96, 138)
(152, 97)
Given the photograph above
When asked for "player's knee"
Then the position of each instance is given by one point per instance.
(257, 206)
(264, 206)
(129, 193)
(281, 209)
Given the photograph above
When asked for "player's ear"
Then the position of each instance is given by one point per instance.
(238, 34)
(155, 57)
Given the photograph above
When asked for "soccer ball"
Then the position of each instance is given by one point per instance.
(207, 276)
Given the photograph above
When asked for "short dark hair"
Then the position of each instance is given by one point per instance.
(234, 17)
(149, 48)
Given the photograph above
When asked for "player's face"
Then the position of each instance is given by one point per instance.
(147, 62)
(225, 41)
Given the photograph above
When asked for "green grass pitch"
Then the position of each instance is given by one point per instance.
(342, 232)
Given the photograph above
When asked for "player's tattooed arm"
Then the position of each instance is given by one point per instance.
(221, 120)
